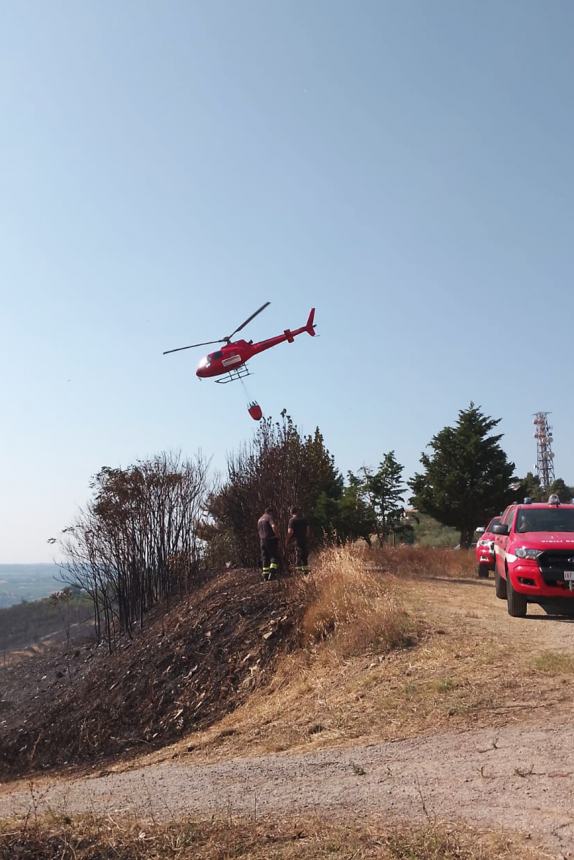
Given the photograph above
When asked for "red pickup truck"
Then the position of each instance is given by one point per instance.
(534, 557)
(484, 549)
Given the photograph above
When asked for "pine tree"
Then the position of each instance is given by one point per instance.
(384, 491)
(466, 478)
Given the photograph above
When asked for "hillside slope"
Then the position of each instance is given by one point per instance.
(185, 670)
(477, 710)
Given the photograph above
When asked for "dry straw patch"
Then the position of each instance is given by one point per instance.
(353, 609)
(90, 838)
(419, 561)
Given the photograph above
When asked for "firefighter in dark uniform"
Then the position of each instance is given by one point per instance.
(299, 532)
(269, 541)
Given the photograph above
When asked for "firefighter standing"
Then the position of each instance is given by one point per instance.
(269, 541)
(299, 531)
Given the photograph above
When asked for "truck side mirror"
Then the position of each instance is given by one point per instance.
(500, 529)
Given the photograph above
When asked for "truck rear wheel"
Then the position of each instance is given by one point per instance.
(499, 586)
(516, 602)
(483, 570)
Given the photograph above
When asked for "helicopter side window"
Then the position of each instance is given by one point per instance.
(215, 356)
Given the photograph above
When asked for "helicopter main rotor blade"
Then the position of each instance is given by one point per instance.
(252, 317)
(191, 346)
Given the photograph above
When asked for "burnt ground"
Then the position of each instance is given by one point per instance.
(185, 670)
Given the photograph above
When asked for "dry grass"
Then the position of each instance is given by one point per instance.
(89, 838)
(418, 561)
(554, 663)
(354, 609)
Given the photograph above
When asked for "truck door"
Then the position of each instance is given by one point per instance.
(502, 540)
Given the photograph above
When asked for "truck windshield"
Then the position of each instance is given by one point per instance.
(545, 520)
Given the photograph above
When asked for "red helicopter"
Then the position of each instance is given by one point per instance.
(231, 359)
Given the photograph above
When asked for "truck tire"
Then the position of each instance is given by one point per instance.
(499, 586)
(483, 570)
(516, 603)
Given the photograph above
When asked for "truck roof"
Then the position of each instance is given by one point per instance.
(543, 505)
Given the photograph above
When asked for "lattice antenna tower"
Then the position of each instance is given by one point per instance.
(544, 453)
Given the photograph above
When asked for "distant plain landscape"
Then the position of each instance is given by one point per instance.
(20, 582)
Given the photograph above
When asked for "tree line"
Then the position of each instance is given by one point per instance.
(149, 529)
(137, 541)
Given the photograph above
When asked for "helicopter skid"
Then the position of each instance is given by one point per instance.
(233, 375)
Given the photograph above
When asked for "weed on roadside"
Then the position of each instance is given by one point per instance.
(554, 663)
(90, 838)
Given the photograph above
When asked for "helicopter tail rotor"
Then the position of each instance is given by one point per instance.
(310, 324)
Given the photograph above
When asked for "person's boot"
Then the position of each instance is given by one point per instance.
(273, 570)
(266, 573)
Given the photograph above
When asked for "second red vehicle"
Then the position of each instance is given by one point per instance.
(484, 549)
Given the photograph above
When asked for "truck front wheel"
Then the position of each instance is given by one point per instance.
(516, 602)
(499, 585)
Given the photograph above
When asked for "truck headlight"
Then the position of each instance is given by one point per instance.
(526, 552)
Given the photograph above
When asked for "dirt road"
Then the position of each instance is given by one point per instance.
(519, 776)
(474, 601)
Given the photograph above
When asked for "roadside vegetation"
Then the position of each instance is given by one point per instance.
(429, 532)
(311, 838)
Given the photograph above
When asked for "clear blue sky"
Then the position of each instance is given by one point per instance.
(406, 167)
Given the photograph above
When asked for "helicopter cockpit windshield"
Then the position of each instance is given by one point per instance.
(215, 356)
(204, 362)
